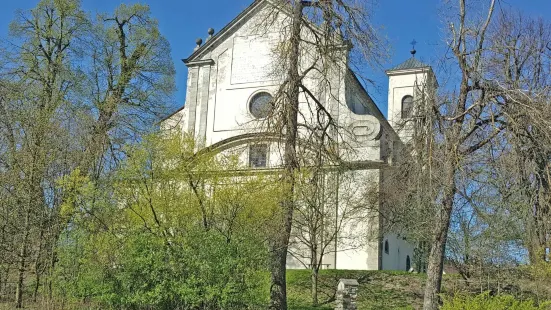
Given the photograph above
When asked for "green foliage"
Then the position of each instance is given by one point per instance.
(74, 91)
(177, 233)
(200, 271)
(487, 302)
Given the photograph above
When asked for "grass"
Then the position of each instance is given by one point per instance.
(378, 289)
(402, 290)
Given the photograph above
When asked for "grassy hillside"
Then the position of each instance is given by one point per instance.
(401, 290)
(378, 289)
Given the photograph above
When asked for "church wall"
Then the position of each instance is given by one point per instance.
(355, 220)
(357, 247)
(299, 253)
(219, 93)
(357, 99)
(382, 147)
(219, 89)
(399, 250)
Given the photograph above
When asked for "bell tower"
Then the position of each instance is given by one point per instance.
(410, 84)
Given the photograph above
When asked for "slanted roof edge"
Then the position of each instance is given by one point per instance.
(209, 43)
(222, 31)
(410, 64)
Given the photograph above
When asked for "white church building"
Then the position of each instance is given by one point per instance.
(230, 84)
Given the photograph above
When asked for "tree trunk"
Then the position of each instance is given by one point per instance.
(278, 288)
(37, 264)
(37, 283)
(2, 280)
(438, 249)
(314, 264)
(315, 276)
(52, 263)
(22, 261)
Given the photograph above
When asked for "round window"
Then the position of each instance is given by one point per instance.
(261, 105)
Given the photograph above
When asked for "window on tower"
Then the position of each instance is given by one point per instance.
(407, 106)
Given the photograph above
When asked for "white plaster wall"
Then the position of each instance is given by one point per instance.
(220, 98)
(399, 249)
(400, 85)
(357, 246)
(176, 122)
(231, 89)
(223, 95)
(228, 97)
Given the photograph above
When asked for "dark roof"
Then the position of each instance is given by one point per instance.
(411, 63)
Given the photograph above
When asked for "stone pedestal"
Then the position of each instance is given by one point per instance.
(347, 293)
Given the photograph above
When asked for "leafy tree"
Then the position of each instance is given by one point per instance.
(74, 91)
(130, 81)
(148, 245)
(38, 75)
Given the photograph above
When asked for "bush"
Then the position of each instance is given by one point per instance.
(487, 302)
(148, 240)
(201, 271)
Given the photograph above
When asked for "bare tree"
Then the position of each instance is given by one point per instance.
(329, 213)
(317, 37)
(523, 61)
(459, 127)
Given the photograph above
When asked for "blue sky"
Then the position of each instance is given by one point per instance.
(182, 21)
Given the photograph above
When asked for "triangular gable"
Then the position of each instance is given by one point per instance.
(217, 38)
(236, 22)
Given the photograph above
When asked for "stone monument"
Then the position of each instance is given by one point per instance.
(347, 293)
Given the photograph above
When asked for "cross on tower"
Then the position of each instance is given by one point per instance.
(413, 51)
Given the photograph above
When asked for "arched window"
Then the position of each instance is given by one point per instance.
(407, 106)
(386, 247)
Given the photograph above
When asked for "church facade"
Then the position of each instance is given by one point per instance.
(230, 83)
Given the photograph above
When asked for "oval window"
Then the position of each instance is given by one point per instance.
(261, 105)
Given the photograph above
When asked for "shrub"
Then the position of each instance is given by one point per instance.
(486, 302)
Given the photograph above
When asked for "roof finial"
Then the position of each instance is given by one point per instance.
(198, 42)
(211, 33)
(413, 51)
